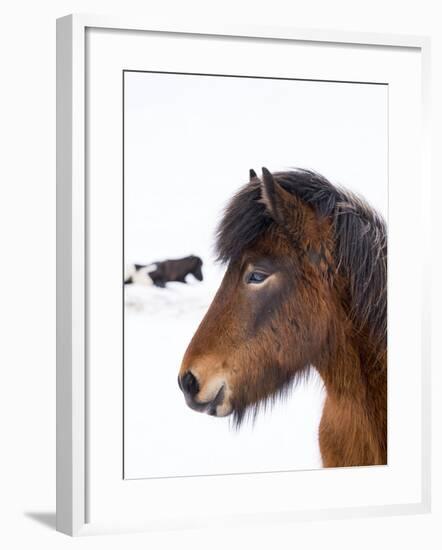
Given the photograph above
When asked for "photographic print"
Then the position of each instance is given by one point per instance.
(255, 274)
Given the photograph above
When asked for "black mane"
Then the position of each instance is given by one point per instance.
(360, 239)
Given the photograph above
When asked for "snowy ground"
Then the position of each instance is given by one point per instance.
(163, 437)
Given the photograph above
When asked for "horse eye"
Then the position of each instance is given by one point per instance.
(256, 277)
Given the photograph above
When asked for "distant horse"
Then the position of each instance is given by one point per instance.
(160, 273)
(305, 286)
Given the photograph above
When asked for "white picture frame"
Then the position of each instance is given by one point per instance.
(87, 483)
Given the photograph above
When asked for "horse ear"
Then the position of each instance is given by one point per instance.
(287, 209)
(252, 174)
(278, 201)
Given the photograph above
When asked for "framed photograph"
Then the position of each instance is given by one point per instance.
(235, 343)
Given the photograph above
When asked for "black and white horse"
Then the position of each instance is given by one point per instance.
(160, 273)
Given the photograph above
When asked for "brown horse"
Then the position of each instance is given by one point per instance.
(305, 286)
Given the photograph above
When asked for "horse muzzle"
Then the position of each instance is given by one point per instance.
(211, 398)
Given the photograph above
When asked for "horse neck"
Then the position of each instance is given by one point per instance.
(354, 421)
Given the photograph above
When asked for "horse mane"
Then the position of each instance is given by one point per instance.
(360, 240)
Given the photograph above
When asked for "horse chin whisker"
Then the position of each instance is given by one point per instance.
(247, 413)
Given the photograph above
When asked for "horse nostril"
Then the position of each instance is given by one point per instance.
(189, 384)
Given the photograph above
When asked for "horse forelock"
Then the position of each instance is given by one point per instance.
(360, 239)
